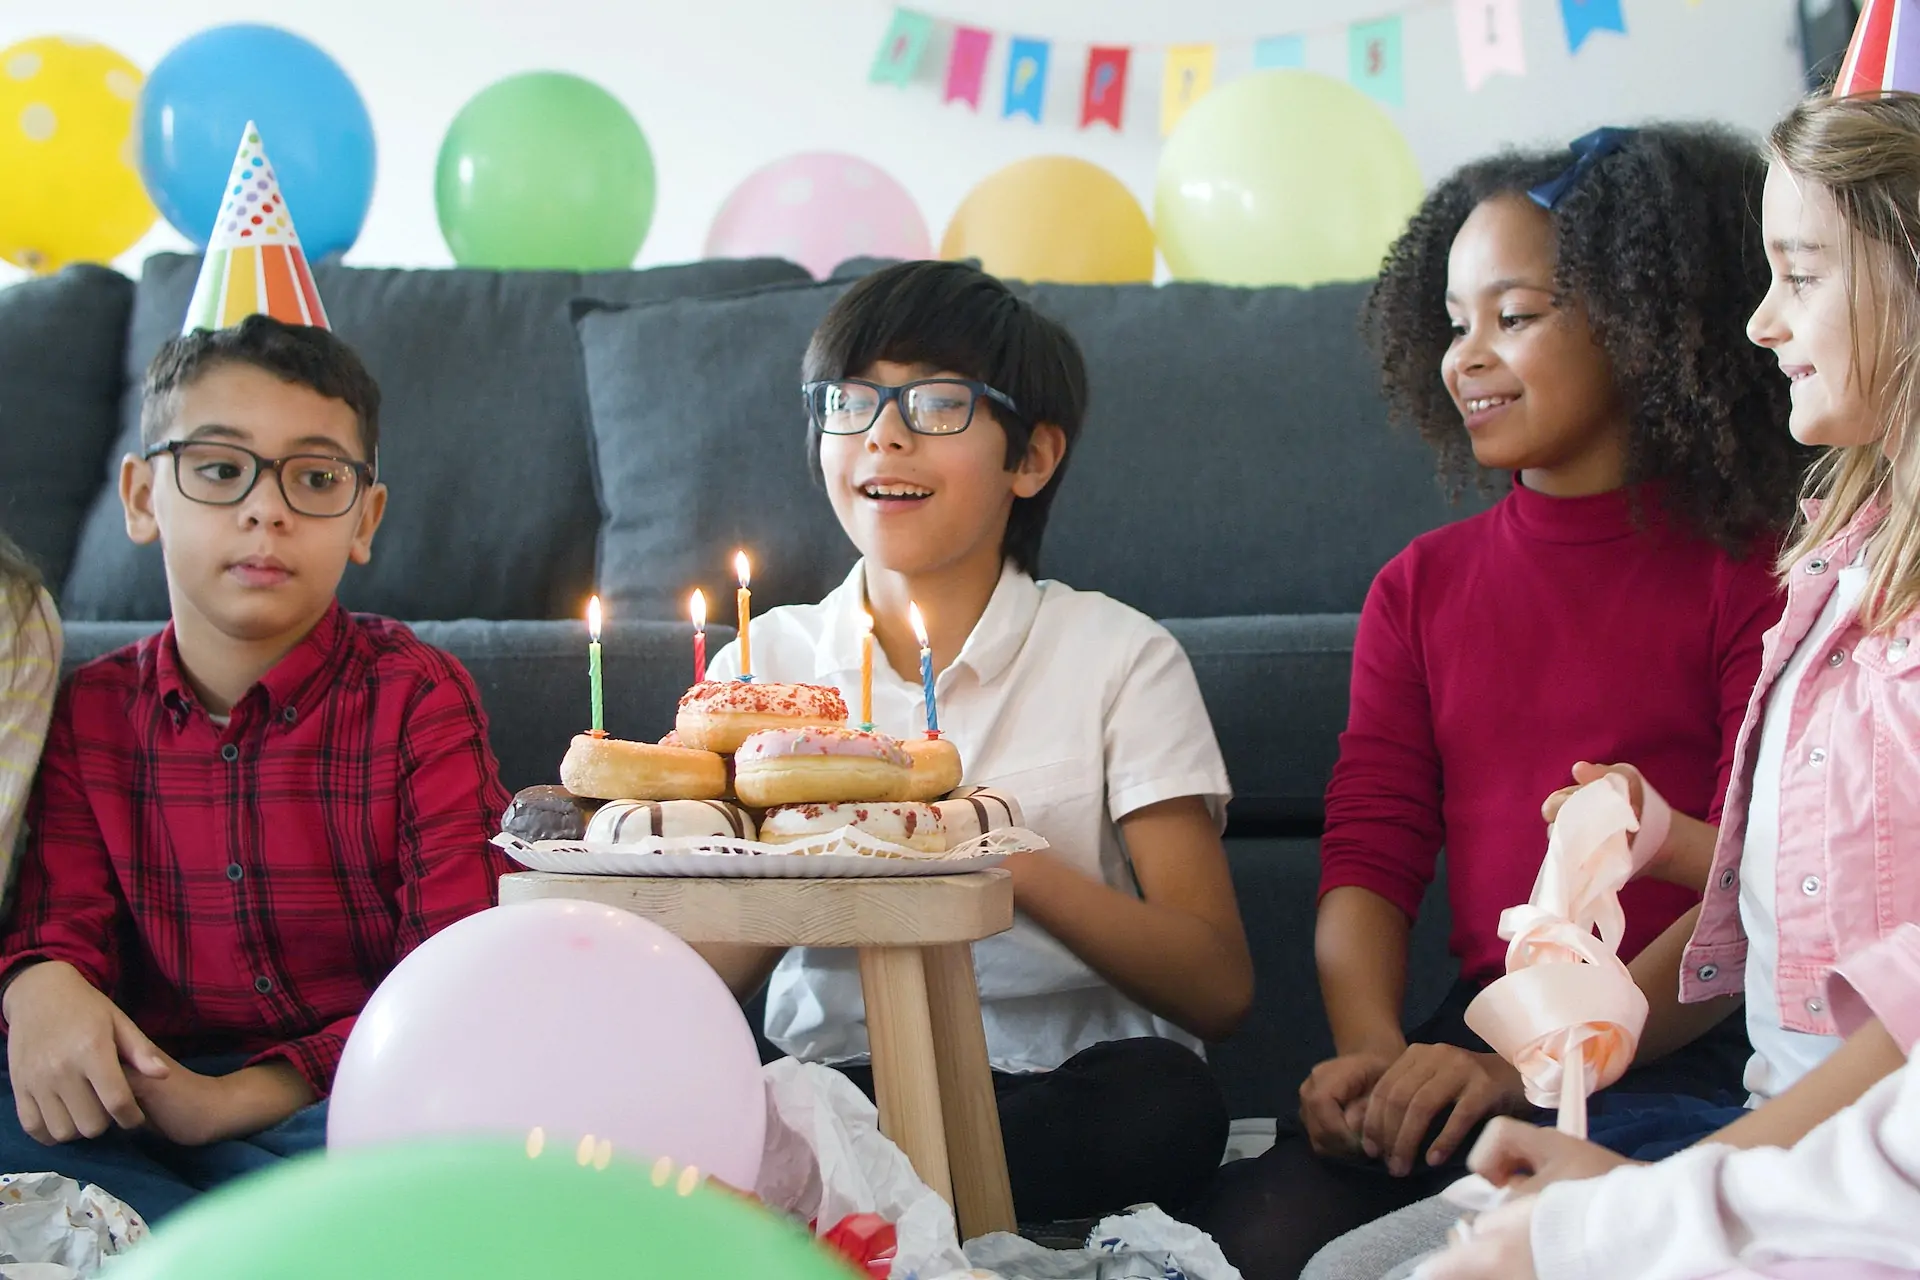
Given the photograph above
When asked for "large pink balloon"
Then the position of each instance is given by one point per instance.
(599, 1029)
(818, 209)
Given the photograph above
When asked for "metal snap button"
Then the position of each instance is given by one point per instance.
(1897, 647)
(290, 714)
(263, 984)
(229, 753)
(1708, 972)
(1816, 1005)
(234, 871)
(1816, 566)
(1810, 886)
(1817, 756)
(1729, 878)
(1837, 657)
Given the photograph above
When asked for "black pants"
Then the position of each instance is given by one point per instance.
(1271, 1214)
(1122, 1123)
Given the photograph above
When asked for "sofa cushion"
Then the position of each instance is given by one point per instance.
(62, 341)
(483, 437)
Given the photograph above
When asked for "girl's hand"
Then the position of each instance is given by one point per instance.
(1526, 1158)
(1427, 1080)
(1584, 773)
(1497, 1245)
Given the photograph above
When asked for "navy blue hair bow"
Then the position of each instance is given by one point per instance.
(1588, 150)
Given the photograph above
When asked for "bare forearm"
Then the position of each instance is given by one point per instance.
(1178, 966)
(1360, 947)
(1670, 1024)
(1869, 1056)
(260, 1097)
(1687, 856)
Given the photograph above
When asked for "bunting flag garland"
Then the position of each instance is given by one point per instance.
(1490, 42)
(1373, 51)
(967, 65)
(1279, 51)
(905, 44)
(1584, 17)
(1105, 95)
(1026, 78)
(1188, 77)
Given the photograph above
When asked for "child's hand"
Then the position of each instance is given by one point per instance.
(1426, 1081)
(1584, 773)
(1497, 1245)
(1327, 1094)
(1527, 1158)
(195, 1110)
(68, 1050)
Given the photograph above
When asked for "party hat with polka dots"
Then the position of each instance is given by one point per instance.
(1884, 55)
(254, 264)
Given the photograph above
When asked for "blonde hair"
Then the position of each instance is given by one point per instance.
(1865, 152)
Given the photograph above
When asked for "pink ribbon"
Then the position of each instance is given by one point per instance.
(1567, 1014)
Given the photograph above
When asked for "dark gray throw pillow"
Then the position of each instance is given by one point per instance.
(61, 344)
(483, 435)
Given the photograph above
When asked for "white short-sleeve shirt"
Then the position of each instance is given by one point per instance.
(1082, 709)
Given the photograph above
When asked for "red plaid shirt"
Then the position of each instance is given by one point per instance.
(244, 889)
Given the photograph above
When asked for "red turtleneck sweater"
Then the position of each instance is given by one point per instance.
(1494, 653)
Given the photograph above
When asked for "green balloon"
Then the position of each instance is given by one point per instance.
(544, 170)
(1283, 177)
(471, 1210)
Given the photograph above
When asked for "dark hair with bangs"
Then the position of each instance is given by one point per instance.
(956, 318)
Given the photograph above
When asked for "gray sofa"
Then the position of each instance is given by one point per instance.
(546, 434)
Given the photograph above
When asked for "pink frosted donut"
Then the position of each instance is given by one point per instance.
(719, 715)
(914, 826)
(820, 766)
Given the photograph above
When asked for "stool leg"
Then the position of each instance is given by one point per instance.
(983, 1200)
(906, 1081)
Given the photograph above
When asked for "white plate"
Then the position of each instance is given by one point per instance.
(832, 855)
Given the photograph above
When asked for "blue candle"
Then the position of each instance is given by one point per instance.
(926, 665)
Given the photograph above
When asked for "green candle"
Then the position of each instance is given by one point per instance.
(593, 662)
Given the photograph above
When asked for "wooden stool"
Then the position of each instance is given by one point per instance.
(915, 936)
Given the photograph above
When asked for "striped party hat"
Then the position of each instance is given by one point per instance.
(254, 264)
(1885, 53)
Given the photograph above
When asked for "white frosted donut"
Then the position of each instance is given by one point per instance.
(719, 715)
(914, 826)
(971, 812)
(629, 821)
(819, 766)
(613, 769)
(936, 767)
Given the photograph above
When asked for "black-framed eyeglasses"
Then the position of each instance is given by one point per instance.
(222, 475)
(929, 406)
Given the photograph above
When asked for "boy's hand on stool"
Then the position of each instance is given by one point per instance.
(68, 1051)
(1334, 1089)
(196, 1110)
(1427, 1081)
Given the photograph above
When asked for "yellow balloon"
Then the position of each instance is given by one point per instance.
(69, 166)
(1053, 218)
(1283, 177)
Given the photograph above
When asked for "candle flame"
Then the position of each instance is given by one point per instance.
(593, 619)
(740, 568)
(697, 606)
(918, 623)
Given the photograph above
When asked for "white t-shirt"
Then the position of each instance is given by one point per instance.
(1083, 710)
(1780, 1056)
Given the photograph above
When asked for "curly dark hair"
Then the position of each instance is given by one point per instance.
(1661, 241)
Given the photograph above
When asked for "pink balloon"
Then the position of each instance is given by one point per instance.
(818, 209)
(585, 1022)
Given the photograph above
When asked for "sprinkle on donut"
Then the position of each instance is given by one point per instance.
(782, 744)
(790, 701)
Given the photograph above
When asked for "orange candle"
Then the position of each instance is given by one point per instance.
(866, 671)
(743, 602)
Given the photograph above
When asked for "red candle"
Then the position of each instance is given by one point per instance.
(698, 608)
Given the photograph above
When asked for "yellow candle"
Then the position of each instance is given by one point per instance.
(743, 602)
(866, 671)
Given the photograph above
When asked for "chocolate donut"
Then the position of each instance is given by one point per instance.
(548, 813)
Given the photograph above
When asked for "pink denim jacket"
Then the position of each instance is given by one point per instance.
(1849, 864)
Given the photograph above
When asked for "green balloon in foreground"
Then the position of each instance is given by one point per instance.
(471, 1210)
(544, 170)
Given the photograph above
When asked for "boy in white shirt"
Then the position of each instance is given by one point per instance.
(941, 410)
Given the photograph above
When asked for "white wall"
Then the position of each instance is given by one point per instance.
(721, 86)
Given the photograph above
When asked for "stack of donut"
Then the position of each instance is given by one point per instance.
(776, 763)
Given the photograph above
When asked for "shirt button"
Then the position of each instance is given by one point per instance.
(263, 984)
(1816, 566)
(1810, 886)
(1897, 648)
(1729, 878)
(234, 872)
(229, 753)
(1708, 972)
(290, 714)
(1816, 1005)
(1837, 657)
(1817, 756)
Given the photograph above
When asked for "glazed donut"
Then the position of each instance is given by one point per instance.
(629, 821)
(971, 812)
(719, 715)
(915, 826)
(548, 813)
(819, 766)
(612, 769)
(936, 767)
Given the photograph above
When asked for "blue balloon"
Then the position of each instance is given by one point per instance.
(315, 128)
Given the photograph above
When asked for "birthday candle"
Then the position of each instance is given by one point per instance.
(926, 666)
(698, 608)
(866, 671)
(593, 661)
(743, 602)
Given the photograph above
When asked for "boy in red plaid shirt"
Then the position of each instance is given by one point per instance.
(243, 823)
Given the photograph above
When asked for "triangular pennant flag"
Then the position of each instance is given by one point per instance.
(1105, 94)
(902, 48)
(254, 264)
(1189, 76)
(1884, 55)
(1280, 51)
(1490, 41)
(1373, 60)
(1584, 17)
(967, 65)
(1026, 78)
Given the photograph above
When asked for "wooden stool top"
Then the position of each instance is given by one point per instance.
(904, 911)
